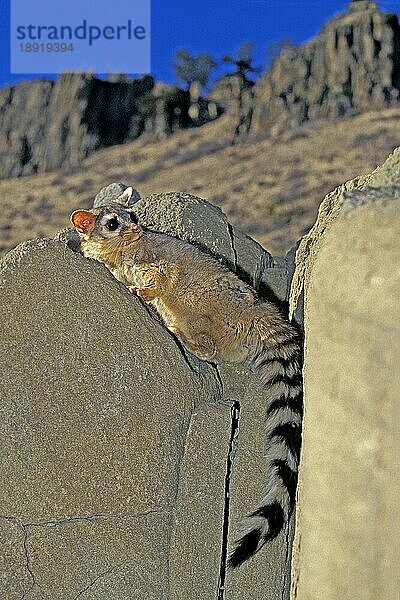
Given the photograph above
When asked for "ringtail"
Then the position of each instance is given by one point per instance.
(218, 318)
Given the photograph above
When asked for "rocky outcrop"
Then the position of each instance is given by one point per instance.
(235, 94)
(50, 124)
(127, 461)
(347, 522)
(168, 109)
(353, 65)
(46, 125)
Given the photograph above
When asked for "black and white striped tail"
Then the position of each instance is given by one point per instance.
(279, 366)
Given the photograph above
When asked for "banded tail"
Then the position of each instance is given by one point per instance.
(277, 359)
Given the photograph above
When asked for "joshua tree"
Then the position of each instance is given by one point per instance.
(193, 70)
(243, 60)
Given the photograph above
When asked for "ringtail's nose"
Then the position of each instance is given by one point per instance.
(135, 227)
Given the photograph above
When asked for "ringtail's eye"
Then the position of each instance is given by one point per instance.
(134, 218)
(112, 224)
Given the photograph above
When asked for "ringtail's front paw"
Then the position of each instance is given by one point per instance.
(146, 294)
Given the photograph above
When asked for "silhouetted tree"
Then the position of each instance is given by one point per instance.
(243, 60)
(193, 69)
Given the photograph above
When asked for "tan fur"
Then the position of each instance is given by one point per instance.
(216, 315)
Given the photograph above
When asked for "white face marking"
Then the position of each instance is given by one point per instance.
(109, 217)
(110, 224)
(105, 218)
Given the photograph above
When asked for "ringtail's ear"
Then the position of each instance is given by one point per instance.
(83, 220)
(125, 197)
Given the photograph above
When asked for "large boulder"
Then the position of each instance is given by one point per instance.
(126, 461)
(347, 527)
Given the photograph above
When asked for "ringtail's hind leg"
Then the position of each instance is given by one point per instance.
(202, 346)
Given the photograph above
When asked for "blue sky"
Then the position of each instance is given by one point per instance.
(214, 26)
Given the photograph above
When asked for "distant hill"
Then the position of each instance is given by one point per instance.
(352, 66)
(47, 124)
(270, 187)
(325, 112)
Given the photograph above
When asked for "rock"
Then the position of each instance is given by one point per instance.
(234, 93)
(353, 65)
(111, 192)
(47, 125)
(80, 388)
(348, 512)
(23, 109)
(116, 441)
(70, 238)
(51, 124)
(327, 213)
(168, 109)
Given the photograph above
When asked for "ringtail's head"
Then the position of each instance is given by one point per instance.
(113, 223)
